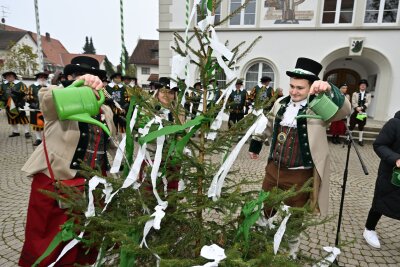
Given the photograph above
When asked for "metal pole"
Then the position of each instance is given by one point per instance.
(38, 37)
(122, 38)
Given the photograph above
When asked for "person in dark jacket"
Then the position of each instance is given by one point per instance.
(387, 196)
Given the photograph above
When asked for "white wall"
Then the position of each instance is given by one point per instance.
(143, 78)
(281, 47)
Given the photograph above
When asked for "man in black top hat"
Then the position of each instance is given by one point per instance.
(236, 103)
(260, 95)
(299, 147)
(129, 81)
(117, 89)
(36, 116)
(12, 95)
(70, 145)
(360, 102)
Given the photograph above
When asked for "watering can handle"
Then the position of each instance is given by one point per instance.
(79, 83)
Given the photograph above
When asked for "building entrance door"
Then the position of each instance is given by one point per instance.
(344, 76)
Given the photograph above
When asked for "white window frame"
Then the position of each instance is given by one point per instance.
(241, 24)
(380, 15)
(337, 14)
(260, 73)
(147, 68)
(217, 13)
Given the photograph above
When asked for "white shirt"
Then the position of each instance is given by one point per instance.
(289, 117)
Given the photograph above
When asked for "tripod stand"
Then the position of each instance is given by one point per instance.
(350, 141)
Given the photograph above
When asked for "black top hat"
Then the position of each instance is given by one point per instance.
(164, 81)
(363, 81)
(306, 69)
(197, 84)
(265, 79)
(117, 74)
(238, 81)
(84, 65)
(41, 74)
(127, 77)
(8, 73)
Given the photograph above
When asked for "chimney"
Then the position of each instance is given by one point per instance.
(48, 37)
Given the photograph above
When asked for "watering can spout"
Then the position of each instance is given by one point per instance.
(85, 117)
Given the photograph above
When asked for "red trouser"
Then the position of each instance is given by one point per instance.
(43, 224)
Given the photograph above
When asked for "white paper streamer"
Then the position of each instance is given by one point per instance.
(216, 185)
(333, 253)
(194, 10)
(121, 148)
(153, 223)
(222, 116)
(93, 183)
(178, 66)
(281, 230)
(67, 248)
(135, 168)
(213, 252)
(209, 20)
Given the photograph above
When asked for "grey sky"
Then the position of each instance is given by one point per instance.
(71, 20)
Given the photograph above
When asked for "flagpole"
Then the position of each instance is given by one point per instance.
(122, 38)
(38, 37)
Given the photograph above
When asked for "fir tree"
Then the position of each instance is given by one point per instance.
(91, 47)
(190, 218)
(109, 67)
(86, 47)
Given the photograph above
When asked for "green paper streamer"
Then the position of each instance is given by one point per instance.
(66, 233)
(251, 216)
(127, 258)
(170, 130)
(210, 5)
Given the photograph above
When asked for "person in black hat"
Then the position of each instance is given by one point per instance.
(260, 95)
(130, 81)
(117, 89)
(68, 146)
(36, 116)
(236, 103)
(338, 128)
(360, 102)
(299, 147)
(12, 96)
(195, 97)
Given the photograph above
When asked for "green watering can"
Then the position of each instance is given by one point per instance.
(322, 106)
(79, 103)
(396, 176)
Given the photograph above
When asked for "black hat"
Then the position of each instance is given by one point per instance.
(265, 79)
(238, 81)
(164, 81)
(363, 81)
(8, 73)
(84, 65)
(306, 69)
(117, 74)
(127, 77)
(197, 83)
(41, 74)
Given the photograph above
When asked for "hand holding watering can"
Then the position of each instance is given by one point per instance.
(321, 105)
(79, 103)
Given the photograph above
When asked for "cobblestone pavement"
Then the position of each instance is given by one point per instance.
(15, 187)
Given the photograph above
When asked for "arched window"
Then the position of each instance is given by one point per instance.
(255, 72)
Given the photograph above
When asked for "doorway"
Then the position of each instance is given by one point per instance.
(344, 76)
